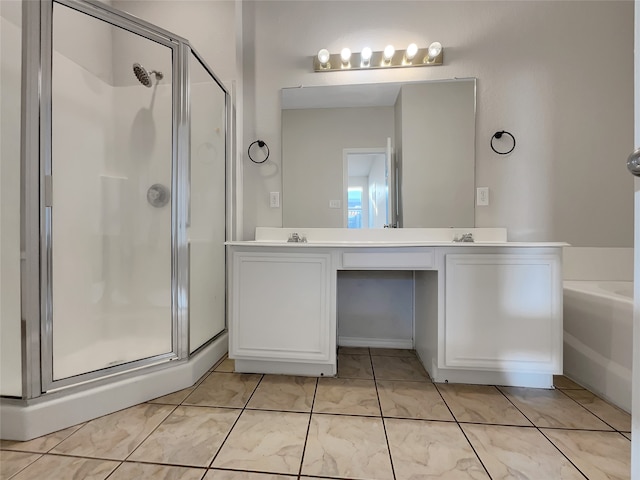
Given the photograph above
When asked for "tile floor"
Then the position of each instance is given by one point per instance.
(380, 419)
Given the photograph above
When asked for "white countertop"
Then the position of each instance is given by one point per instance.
(386, 238)
(378, 244)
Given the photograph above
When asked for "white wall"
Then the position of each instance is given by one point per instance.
(208, 25)
(542, 74)
(10, 85)
(375, 308)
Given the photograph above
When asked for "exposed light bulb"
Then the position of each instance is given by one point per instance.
(411, 51)
(345, 55)
(323, 57)
(434, 50)
(365, 55)
(388, 52)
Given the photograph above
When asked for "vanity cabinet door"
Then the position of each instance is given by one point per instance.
(281, 307)
(504, 312)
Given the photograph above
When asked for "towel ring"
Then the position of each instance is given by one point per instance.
(261, 144)
(498, 135)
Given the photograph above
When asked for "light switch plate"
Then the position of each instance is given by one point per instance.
(274, 199)
(482, 196)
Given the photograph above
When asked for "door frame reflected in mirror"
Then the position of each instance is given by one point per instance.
(373, 165)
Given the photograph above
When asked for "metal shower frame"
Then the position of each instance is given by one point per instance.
(36, 205)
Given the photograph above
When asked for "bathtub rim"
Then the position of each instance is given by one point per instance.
(588, 287)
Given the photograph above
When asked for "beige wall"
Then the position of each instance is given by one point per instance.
(438, 171)
(542, 74)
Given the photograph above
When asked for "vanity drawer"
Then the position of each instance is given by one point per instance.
(381, 259)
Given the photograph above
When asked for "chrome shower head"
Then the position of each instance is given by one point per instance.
(144, 76)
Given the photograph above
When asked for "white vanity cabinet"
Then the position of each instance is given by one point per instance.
(487, 313)
(281, 312)
(503, 312)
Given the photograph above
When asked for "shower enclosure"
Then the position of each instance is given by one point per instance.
(124, 203)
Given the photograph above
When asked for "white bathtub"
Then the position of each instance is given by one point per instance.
(598, 332)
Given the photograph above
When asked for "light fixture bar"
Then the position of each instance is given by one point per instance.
(399, 60)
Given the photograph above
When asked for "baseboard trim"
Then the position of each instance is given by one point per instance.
(375, 342)
(50, 413)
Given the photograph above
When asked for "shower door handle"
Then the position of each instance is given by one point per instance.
(633, 163)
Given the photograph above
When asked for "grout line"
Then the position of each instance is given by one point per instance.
(384, 425)
(592, 413)
(463, 432)
(541, 432)
(306, 437)
(115, 470)
(175, 407)
(27, 466)
(236, 422)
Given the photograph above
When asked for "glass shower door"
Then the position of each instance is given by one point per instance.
(109, 199)
(207, 205)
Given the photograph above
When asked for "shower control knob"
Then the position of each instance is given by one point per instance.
(633, 163)
(158, 195)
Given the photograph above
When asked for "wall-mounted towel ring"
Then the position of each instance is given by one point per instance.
(261, 144)
(498, 135)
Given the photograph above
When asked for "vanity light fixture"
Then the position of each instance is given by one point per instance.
(413, 56)
(410, 52)
(387, 53)
(323, 59)
(433, 52)
(345, 56)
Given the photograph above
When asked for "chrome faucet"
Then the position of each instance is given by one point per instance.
(466, 237)
(295, 238)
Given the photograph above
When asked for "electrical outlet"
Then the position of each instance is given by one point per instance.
(274, 199)
(482, 196)
(334, 203)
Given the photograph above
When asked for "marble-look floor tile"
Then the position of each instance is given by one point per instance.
(231, 475)
(392, 352)
(399, 368)
(190, 436)
(352, 447)
(353, 350)
(425, 449)
(224, 390)
(354, 366)
(67, 468)
(564, 383)
(12, 462)
(347, 396)
(228, 365)
(141, 471)
(116, 435)
(552, 408)
(519, 452)
(618, 419)
(599, 455)
(286, 393)
(265, 441)
(412, 400)
(41, 444)
(480, 404)
(175, 398)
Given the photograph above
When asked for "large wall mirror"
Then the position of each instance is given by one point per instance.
(375, 155)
